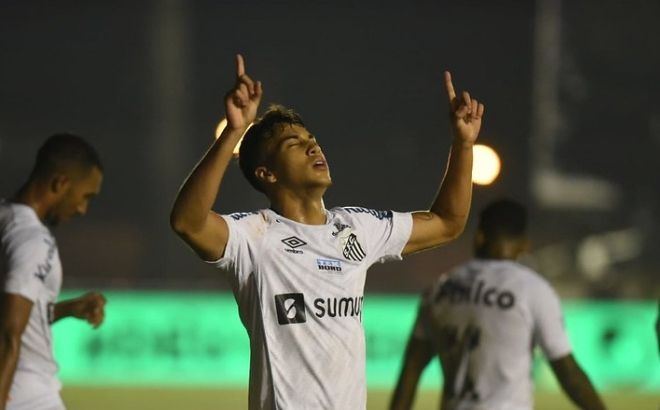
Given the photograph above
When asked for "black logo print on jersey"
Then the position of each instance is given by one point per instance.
(332, 265)
(353, 250)
(455, 292)
(294, 242)
(237, 216)
(339, 227)
(377, 214)
(44, 268)
(290, 308)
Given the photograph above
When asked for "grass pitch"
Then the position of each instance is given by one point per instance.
(164, 398)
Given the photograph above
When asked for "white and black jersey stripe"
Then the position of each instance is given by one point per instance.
(353, 250)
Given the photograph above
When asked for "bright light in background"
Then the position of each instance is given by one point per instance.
(221, 127)
(486, 165)
(596, 253)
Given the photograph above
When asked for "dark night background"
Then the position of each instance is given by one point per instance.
(570, 90)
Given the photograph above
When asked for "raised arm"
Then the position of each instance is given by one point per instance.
(418, 355)
(448, 214)
(576, 384)
(14, 315)
(192, 218)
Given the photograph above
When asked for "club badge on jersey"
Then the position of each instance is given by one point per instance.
(353, 250)
(348, 243)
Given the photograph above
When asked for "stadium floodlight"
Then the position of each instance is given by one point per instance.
(486, 166)
(221, 127)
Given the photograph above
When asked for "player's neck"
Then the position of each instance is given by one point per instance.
(305, 209)
(32, 195)
(499, 251)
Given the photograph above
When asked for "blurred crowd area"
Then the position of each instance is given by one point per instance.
(569, 89)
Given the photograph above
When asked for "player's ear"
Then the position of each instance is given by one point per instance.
(264, 175)
(518, 247)
(59, 183)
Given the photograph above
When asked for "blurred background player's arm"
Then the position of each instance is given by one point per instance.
(449, 212)
(418, 354)
(551, 335)
(576, 384)
(191, 218)
(14, 316)
(88, 307)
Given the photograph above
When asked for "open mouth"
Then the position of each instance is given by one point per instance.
(320, 164)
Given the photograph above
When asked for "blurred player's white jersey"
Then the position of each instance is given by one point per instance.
(30, 267)
(300, 289)
(484, 318)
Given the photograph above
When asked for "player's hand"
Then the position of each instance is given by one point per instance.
(465, 113)
(90, 307)
(242, 102)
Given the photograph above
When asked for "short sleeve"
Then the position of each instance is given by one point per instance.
(549, 328)
(387, 233)
(245, 231)
(30, 258)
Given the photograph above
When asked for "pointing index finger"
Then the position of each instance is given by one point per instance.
(240, 65)
(449, 86)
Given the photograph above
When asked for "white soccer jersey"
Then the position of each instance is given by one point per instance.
(484, 318)
(299, 290)
(30, 267)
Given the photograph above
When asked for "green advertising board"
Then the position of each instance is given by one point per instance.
(166, 338)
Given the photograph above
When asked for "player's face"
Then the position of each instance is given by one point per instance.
(296, 159)
(75, 198)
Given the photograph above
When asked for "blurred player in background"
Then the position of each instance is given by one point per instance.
(297, 270)
(484, 319)
(66, 175)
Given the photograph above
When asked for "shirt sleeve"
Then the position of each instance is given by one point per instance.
(244, 234)
(549, 328)
(387, 234)
(30, 258)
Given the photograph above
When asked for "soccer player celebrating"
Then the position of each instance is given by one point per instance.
(66, 175)
(297, 270)
(483, 320)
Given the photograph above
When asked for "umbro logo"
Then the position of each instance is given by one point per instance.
(290, 308)
(293, 242)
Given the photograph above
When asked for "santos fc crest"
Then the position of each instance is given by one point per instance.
(351, 248)
(348, 245)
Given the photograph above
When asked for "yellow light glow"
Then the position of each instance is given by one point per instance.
(221, 127)
(486, 166)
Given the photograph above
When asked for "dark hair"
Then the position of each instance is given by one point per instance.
(60, 151)
(503, 219)
(252, 153)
